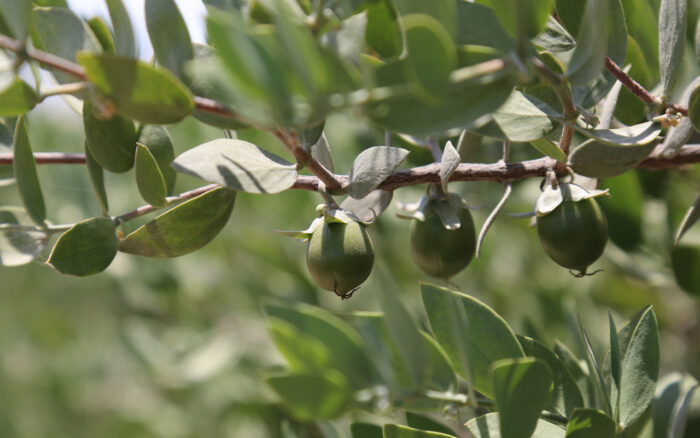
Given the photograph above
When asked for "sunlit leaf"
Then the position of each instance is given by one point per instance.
(184, 228)
(371, 167)
(672, 24)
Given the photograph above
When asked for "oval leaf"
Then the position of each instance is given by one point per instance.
(18, 16)
(600, 160)
(590, 423)
(488, 426)
(97, 180)
(17, 99)
(515, 380)
(112, 143)
(25, 174)
(312, 396)
(174, 47)
(139, 91)
(373, 166)
(184, 228)
(524, 118)
(591, 45)
(149, 178)
(672, 24)
(238, 165)
(159, 143)
(87, 248)
(470, 332)
(448, 164)
(549, 148)
(19, 247)
(124, 42)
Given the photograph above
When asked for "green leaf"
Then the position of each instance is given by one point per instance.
(629, 109)
(640, 369)
(523, 19)
(566, 395)
(26, 176)
(149, 178)
(478, 25)
(302, 352)
(321, 152)
(590, 423)
(19, 247)
(587, 95)
(694, 108)
(554, 37)
(371, 167)
(383, 33)
(124, 43)
(184, 228)
(87, 248)
(612, 152)
(591, 45)
(340, 339)
(238, 165)
(487, 426)
(524, 118)
(448, 164)
(623, 209)
(370, 207)
(404, 333)
(174, 47)
(671, 404)
(572, 363)
(365, 430)
(347, 42)
(422, 422)
(63, 34)
(96, 180)
(685, 261)
(549, 148)
(471, 333)
(690, 218)
(138, 90)
(18, 16)
(159, 143)
(431, 55)
(102, 33)
(18, 98)
(398, 431)
(515, 380)
(469, 100)
(443, 11)
(313, 396)
(672, 24)
(112, 143)
(615, 360)
(601, 394)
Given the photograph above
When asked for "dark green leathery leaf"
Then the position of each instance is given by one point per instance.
(184, 228)
(149, 178)
(159, 143)
(87, 248)
(26, 176)
(112, 143)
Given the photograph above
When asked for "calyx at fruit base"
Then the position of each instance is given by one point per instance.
(552, 196)
(327, 215)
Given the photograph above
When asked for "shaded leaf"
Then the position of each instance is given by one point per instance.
(487, 426)
(340, 339)
(601, 160)
(159, 143)
(515, 380)
(615, 359)
(365, 430)
(524, 118)
(102, 33)
(87, 248)
(549, 148)
(302, 352)
(97, 180)
(19, 247)
(426, 423)
(370, 207)
(690, 218)
(623, 209)
(572, 363)
(26, 176)
(139, 91)
(443, 11)
(63, 34)
(398, 431)
(18, 16)
(672, 24)
(371, 167)
(480, 338)
(590, 423)
(431, 55)
(149, 178)
(383, 33)
(238, 165)
(313, 396)
(694, 108)
(629, 109)
(124, 43)
(17, 98)
(112, 143)
(478, 25)
(322, 153)
(554, 37)
(671, 403)
(685, 261)
(184, 228)
(601, 394)
(566, 395)
(172, 48)
(592, 43)
(348, 41)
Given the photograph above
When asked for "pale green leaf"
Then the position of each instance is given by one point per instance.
(169, 35)
(487, 426)
(590, 423)
(25, 172)
(524, 118)
(672, 24)
(371, 167)
(592, 43)
(549, 148)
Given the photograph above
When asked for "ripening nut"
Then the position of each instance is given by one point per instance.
(340, 256)
(574, 234)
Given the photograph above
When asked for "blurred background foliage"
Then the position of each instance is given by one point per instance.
(178, 348)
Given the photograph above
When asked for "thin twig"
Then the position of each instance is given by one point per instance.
(304, 158)
(170, 200)
(6, 158)
(71, 88)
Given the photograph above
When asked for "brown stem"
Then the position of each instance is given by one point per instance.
(304, 158)
(637, 89)
(47, 158)
(145, 209)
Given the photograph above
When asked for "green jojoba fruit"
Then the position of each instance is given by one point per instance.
(340, 257)
(574, 234)
(440, 252)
